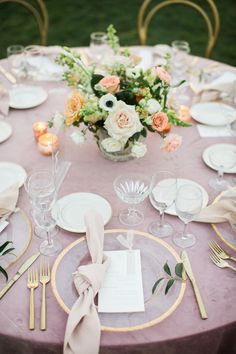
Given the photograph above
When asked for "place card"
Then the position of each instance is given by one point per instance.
(122, 288)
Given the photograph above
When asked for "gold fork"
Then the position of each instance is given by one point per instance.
(44, 279)
(219, 251)
(220, 262)
(32, 284)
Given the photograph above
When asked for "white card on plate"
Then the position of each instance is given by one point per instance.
(122, 288)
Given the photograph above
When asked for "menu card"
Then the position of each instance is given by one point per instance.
(122, 288)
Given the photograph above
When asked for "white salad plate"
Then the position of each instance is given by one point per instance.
(213, 113)
(5, 131)
(73, 207)
(23, 97)
(11, 173)
(180, 182)
(222, 149)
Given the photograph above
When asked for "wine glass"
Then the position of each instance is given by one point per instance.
(47, 221)
(98, 43)
(132, 189)
(162, 196)
(188, 204)
(15, 55)
(33, 61)
(222, 161)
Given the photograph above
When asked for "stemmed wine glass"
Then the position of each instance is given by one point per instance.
(132, 189)
(188, 204)
(221, 160)
(162, 196)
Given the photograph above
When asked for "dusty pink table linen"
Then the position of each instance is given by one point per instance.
(83, 330)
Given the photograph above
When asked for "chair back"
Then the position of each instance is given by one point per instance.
(145, 16)
(40, 14)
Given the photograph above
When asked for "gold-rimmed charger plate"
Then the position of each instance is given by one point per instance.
(154, 253)
(224, 230)
(19, 231)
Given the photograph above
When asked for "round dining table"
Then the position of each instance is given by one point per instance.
(183, 331)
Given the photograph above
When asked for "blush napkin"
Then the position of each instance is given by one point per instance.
(83, 328)
(222, 211)
(8, 199)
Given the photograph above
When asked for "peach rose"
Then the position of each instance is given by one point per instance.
(171, 143)
(160, 122)
(110, 83)
(162, 74)
(73, 105)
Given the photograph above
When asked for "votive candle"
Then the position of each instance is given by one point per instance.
(48, 143)
(184, 113)
(39, 128)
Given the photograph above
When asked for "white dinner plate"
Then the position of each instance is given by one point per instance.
(180, 182)
(222, 149)
(11, 173)
(23, 97)
(213, 113)
(5, 131)
(74, 206)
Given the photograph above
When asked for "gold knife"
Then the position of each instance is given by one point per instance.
(19, 273)
(188, 269)
(8, 75)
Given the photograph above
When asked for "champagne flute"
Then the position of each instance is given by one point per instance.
(162, 196)
(188, 204)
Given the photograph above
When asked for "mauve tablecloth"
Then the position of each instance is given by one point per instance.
(183, 332)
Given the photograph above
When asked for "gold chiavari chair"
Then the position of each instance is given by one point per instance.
(147, 11)
(40, 14)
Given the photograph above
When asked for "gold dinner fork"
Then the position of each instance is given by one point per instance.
(32, 284)
(220, 251)
(220, 262)
(44, 279)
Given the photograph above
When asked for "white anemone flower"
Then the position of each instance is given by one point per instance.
(133, 73)
(107, 102)
(153, 106)
(78, 137)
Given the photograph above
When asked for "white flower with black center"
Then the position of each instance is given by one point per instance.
(107, 102)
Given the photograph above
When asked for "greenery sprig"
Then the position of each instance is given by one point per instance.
(3, 251)
(171, 279)
(113, 39)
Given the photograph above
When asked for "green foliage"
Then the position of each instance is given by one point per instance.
(113, 39)
(170, 279)
(3, 251)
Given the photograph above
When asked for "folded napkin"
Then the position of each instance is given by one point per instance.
(224, 83)
(222, 211)
(4, 101)
(8, 199)
(146, 59)
(208, 131)
(83, 330)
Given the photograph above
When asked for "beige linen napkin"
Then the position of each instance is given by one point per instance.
(222, 211)
(83, 330)
(8, 199)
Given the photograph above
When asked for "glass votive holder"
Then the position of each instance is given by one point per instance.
(48, 143)
(39, 128)
(184, 113)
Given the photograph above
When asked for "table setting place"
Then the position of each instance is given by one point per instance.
(109, 270)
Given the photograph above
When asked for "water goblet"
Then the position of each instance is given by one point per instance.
(98, 43)
(132, 188)
(188, 204)
(162, 196)
(33, 61)
(15, 55)
(222, 161)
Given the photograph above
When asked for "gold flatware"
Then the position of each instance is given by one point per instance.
(19, 273)
(220, 252)
(32, 284)
(188, 269)
(221, 263)
(8, 75)
(44, 279)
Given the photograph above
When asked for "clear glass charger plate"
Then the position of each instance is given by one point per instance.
(154, 254)
(19, 231)
(223, 229)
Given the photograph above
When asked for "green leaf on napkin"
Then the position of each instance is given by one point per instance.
(3, 251)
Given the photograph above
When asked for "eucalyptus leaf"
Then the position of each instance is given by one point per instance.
(155, 285)
(2, 270)
(8, 251)
(4, 245)
(179, 269)
(167, 269)
(169, 285)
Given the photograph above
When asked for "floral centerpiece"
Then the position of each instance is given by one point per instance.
(118, 101)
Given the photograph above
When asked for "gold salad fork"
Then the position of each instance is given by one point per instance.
(220, 251)
(32, 284)
(221, 263)
(44, 279)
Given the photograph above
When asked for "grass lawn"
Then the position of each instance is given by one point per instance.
(72, 21)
